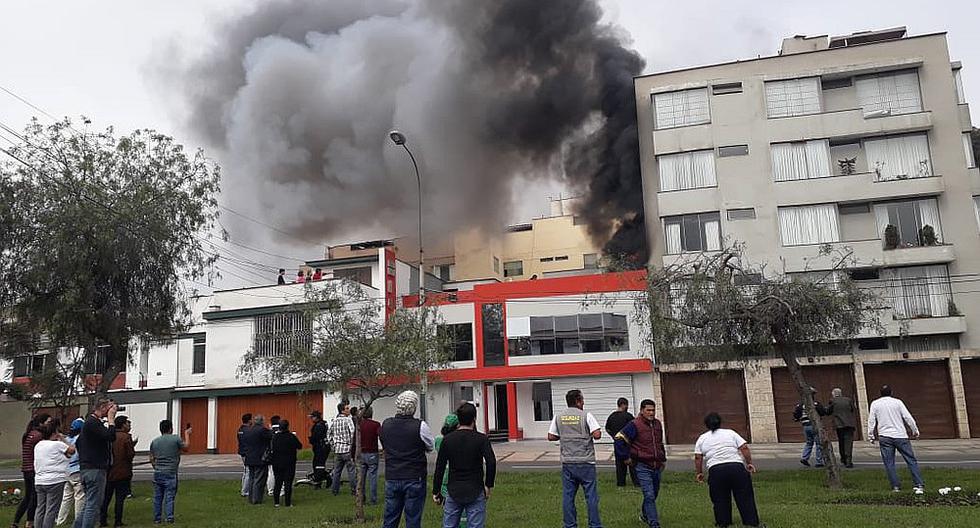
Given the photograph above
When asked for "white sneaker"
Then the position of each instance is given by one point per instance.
(896, 490)
(918, 490)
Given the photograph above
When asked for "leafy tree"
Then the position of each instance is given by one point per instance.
(97, 233)
(717, 307)
(355, 351)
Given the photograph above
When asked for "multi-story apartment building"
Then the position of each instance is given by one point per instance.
(553, 245)
(858, 141)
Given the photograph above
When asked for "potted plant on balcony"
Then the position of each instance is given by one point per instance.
(927, 235)
(891, 237)
(953, 310)
(847, 166)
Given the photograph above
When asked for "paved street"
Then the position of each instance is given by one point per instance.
(539, 455)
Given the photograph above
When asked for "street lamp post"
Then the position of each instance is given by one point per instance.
(400, 140)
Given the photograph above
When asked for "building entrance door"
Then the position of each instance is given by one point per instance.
(500, 407)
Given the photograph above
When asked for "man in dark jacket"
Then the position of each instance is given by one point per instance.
(842, 409)
(405, 440)
(256, 440)
(466, 451)
(614, 424)
(120, 475)
(94, 447)
(321, 450)
(801, 415)
(641, 442)
(246, 424)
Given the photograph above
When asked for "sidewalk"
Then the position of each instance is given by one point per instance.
(543, 451)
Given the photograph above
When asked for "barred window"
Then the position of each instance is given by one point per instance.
(280, 333)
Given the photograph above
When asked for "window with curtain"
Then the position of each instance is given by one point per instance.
(958, 86)
(694, 232)
(810, 224)
(892, 92)
(541, 397)
(909, 217)
(899, 157)
(681, 108)
(801, 160)
(919, 291)
(968, 150)
(687, 170)
(792, 97)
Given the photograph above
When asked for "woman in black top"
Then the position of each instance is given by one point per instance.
(284, 448)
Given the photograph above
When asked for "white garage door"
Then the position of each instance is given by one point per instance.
(600, 392)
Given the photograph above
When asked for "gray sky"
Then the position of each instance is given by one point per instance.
(90, 57)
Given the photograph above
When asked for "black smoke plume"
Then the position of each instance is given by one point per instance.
(299, 97)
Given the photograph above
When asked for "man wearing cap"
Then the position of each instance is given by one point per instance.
(405, 440)
(318, 440)
(74, 493)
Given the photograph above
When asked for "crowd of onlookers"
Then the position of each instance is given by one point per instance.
(309, 276)
(79, 474)
(93, 464)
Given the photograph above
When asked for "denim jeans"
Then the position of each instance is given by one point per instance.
(407, 496)
(476, 512)
(93, 482)
(811, 441)
(344, 461)
(573, 476)
(650, 485)
(48, 504)
(904, 446)
(369, 461)
(164, 494)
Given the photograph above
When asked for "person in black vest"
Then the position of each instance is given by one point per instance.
(614, 424)
(256, 441)
(405, 440)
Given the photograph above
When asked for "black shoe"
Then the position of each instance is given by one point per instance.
(805, 462)
(849, 465)
(819, 465)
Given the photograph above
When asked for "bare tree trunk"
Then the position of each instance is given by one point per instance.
(830, 457)
(358, 470)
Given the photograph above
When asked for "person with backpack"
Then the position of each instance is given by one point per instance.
(285, 445)
(801, 415)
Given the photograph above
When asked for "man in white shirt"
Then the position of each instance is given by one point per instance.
(888, 419)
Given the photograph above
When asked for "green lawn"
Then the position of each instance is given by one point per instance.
(786, 499)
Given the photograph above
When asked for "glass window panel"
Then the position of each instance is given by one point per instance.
(566, 326)
(543, 326)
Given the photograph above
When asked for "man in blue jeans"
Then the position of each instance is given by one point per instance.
(465, 451)
(889, 422)
(809, 432)
(641, 444)
(165, 453)
(577, 431)
(405, 440)
(94, 447)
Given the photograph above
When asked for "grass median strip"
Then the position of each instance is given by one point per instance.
(793, 499)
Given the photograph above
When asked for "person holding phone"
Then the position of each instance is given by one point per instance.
(165, 453)
(94, 447)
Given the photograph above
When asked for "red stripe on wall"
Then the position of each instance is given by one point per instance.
(548, 370)
(555, 287)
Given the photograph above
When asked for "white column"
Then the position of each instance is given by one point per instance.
(212, 423)
(176, 414)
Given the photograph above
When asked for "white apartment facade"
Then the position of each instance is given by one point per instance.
(860, 142)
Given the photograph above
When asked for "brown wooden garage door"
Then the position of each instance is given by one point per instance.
(924, 387)
(785, 395)
(194, 413)
(971, 386)
(689, 396)
(291, 406)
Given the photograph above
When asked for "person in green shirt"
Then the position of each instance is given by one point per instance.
(165, 453)
(449, 425)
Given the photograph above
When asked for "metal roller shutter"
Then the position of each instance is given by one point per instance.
(689, 396)
(824, 378)
(971, 388)
(925, 389)
(600, 392)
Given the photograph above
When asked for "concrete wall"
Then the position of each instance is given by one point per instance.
(145, 418)
(15, 414)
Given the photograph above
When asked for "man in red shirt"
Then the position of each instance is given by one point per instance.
(370, 429)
